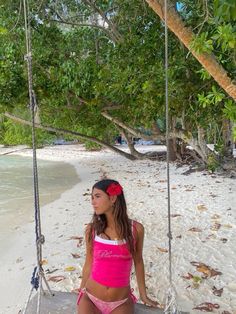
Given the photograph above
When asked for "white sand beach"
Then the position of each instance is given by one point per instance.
(203, 207)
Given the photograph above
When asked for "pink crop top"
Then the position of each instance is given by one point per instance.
(112, 262)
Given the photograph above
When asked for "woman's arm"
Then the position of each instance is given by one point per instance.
(139, 266)
(88, 260)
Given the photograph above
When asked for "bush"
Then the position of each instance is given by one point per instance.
(92, 146)
(212, 163)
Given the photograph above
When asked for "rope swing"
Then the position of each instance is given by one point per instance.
(170, 304)
(38, 273)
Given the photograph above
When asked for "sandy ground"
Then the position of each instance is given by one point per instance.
(203, 229)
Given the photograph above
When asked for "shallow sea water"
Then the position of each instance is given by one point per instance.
(16, 185)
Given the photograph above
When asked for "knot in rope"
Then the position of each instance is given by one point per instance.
(41, 239)
(35, 279)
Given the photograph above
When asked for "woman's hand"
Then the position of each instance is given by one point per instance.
(152, 303)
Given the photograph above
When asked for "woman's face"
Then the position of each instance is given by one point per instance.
(101, 202)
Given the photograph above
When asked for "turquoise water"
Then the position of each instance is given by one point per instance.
(16, 182)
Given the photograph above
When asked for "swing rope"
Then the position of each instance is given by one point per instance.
(38, 273)
(170, 305)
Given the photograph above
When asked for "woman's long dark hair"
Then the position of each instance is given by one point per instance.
(122, 221)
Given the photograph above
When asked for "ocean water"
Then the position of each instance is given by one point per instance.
(16, 183)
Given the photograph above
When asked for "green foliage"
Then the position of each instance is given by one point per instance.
(225, 10)
(219, 147)
(79, 71)
(204, 74)
(212, 163)
(230, 110)
(225, 37)
(92, 146)
(234, 133)
(16, 134)
(213, 97)
(202, 44)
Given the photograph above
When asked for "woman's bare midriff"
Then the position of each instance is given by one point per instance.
(105, 293)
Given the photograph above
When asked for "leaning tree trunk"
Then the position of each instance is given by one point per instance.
(130, 144)
(186, 36)
(76, 134)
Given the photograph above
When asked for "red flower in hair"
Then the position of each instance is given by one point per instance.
(114, 189)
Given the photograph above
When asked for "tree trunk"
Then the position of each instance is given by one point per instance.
(130, 144)
(76, 134)
(227, 137)
(200, 147)
(186, 36)
(172, 149)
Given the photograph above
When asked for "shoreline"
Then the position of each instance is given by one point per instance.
(200, 203)
(18, 250)
(19, 210)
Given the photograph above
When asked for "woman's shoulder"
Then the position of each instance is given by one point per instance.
(89, 231)
(88, 227)
(138, 226)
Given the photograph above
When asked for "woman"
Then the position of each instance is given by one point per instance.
(113, 242)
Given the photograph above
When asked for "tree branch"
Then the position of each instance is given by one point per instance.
(87, 25)
(63, 21)
(186, 36)
(125, 127)
(103, 15)
(62, 131)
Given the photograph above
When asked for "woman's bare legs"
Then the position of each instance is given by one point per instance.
(86, 306)
(125, 308)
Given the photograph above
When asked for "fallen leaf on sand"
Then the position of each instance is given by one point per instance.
(80, 240)
(175, 215)
(162, 250)
(195, 229)
(70, 268)
(48, 271)
(189, 276)
(201, 207)
(56, 278)
(228, 226)
(197, 279)
(224, 240)
(205, 269)
(76, 238)
(215, 216)
(215, 227)
(211, 236)
(207, 307)
(43, 262)
(226, 312)
(217, 292)
(75, 255)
